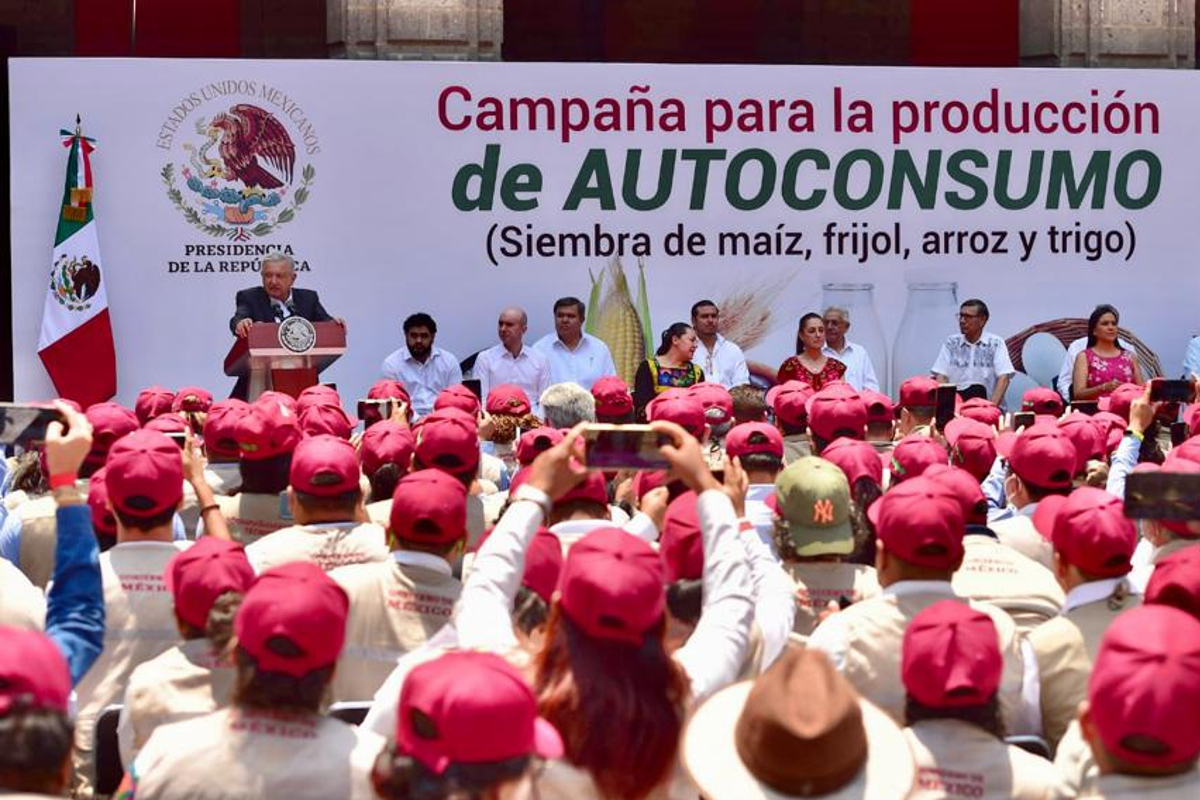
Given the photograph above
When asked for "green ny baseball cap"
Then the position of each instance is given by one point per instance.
(813, 498)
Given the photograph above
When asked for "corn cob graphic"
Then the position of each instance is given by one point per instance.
(616, 321)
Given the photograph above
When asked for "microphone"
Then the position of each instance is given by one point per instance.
(291, 307)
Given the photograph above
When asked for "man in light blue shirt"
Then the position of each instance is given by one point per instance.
(1191, 361)
(424, 370)
(574, 356)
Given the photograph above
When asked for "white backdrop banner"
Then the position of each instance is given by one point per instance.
(458, 189)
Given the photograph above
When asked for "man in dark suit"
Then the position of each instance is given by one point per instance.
(275, 301)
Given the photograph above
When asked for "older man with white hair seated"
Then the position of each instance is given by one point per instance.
(860, 373)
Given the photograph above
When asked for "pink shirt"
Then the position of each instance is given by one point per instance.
(1102, 369)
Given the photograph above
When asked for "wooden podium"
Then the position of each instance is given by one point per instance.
(267, 361)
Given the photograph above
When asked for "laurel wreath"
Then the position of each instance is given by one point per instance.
(299, 198)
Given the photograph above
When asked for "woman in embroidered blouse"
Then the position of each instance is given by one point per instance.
(1105, 364)
(810, 365)
(671, 367)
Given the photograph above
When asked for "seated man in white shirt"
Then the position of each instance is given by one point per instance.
(512, 362)
(973, 357)
(860, 372)
(723, 361)
(574, 356)
(424, 370)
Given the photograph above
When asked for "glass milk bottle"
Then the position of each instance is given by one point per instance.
(930, 316)
(858, 299)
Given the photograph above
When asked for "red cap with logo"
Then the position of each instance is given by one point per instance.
(33, 672)
(951, 656)
(981, 410)
(325, 419)
(751, 438)
(1145, 687)
(508, 398)
(965, 488)
(1041, 455)
(918, 391)
(1087, 437)
(171, 422)
(921, 522)
(144, 474)
(914, 454)
(220, 427)
(1093, 534)
(103, 521)
(536, 441)
(152, 401)
(1121, 399)
(612, 586)
(680, 408)
(110, 421)
(856, 458)
(318, 395)
(429, 506)
(202, 573)
(880, 407)
(715, 400)
(682, 546)
(324, 466)
(789, 401)
(1176, 581)
(836, 411)
(972, 445)
(448, 439)
(192, 399)
(1041, 400)
(386, 442)
(297, 603)
(612, 397)
(267, 429)
(457, 396)
(469, 707)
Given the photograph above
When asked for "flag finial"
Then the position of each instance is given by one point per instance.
(78, 125)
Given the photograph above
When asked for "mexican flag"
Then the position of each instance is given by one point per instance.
(76, 344)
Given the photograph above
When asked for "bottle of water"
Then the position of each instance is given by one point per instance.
(930, 316)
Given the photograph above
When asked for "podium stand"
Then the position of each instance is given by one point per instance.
(266, 363)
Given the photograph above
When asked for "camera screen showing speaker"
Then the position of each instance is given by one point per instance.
(616, 447)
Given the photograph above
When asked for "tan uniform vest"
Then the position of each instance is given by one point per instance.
(795, 447)
(1019, 533)
(956, 759)
(139, 625)
(329, 546)
(1130, 787)
(240, 754)
(1075, 763)
(252, 516)
(39, 537)
(22, 605)
(995, 573)
(394, 609)
(818, 582)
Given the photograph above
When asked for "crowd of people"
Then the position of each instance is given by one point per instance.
(827, 592)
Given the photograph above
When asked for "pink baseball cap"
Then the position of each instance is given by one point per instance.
(715, 400)
(1189, 451)
(1144, 688)
(972, 445)
(680, 408)
(429, 506)
(837, 411)
(856, 458)
(220, 427)
(543, 564)
(1176, 581)
(921, 522)
(681, 545)
(1041, 455)
(285, 400)
(144, 474)
(192, 399)
(508, 398)
(299, 603)
(202, 573)
(880, 407)
(267, 429)
(535, 442)
(789, 401)
(388, 389)
(1093, 534)
(951, 656)
(981, 410)
(1113, 428)
(965, 488)
(170, 422)
(457, 396)
(324, 466)
(918, 391)
(1191, 417)
(751, 438)
(1087, 437)
(103, 521)
(33, 672)
(386, 442)
(612, 586)
(593, 489)
(1121, 399)
(325, 419)
(914, 454)
(1041, 400)
(152, 401)
(110, 421)
(318, 395)
(468, 707)
(612, 397)
(448, 439)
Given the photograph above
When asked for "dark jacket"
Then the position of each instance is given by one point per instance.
(255, 304)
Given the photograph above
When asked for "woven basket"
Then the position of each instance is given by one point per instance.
(1068, 329)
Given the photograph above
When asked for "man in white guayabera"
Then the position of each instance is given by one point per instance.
(974, 361)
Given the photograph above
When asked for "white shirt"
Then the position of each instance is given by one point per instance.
(860, 373)
(1066, 372)
(1095, 591)
(1191, 361)
(530, 370)
(589, 361)
(760, 514)
(423, 381)
(965, 364)
(726, 364)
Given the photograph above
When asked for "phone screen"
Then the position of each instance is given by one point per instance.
(945, 401)
(25, 424)
(1024, 419)
(1163, 495)
(615, 447)
(476, 387)
(1088, 407)
(372, 411)
(1170, 391)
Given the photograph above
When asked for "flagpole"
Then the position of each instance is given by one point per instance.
(133, 31)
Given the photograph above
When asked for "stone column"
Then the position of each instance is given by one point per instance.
(1108, 33)
(463, 30)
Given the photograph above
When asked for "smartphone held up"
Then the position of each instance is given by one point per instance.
(25, 424)
(624, 447)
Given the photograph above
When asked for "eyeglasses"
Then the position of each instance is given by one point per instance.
(969, 316)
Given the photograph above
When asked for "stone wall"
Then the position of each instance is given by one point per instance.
(1108, 33)
(469, 30)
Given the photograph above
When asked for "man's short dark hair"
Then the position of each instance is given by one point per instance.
(144, 522)
(978, 305)
(420, 320)
(34, 745)
(344, 503)
(571, 302)
(699, 304)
